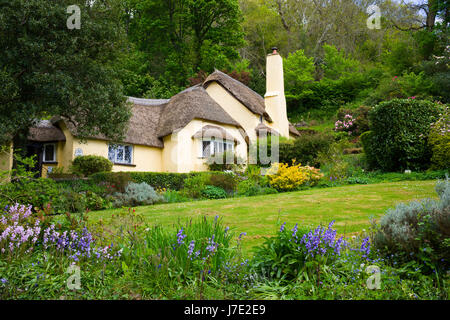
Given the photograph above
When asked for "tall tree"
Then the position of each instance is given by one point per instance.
(47, 69)
(183, 36)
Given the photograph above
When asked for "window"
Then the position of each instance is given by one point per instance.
(120, 154)
(210, 147)
(49, 152)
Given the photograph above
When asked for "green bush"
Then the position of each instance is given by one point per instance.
(194, 185)
(173, 196)
(253, 187)
(212, 192)
(248, 188)
(439, 142)
(418, 230)
(399, 133)
(157, 180)
(225, 161)
(137, 194)
(305, 148)
(172, 181)
(226, 181)
(88, 165)
(35, 192)
(360, 118)
(279, 256)
(115, 181)
(370, 157)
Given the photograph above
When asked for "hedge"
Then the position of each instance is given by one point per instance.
(398, 135)
(167, 180)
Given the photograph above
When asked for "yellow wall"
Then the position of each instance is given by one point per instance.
(65, 150)
(181, 152)
(144, 158)
(247, 119)
(274, 98)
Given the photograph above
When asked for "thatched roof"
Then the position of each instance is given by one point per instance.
(192, 103)
(209, 131)
(45, 131)
(142, 125)
(153, 119)
(262, 129)
(249, 98)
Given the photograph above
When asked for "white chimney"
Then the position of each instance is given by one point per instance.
(274, 98)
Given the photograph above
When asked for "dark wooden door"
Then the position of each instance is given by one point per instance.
(36, 149)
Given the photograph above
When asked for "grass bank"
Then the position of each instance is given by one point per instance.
(351, 206)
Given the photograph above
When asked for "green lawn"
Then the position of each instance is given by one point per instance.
(351, 207)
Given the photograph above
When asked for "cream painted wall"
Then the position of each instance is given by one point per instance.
(274, 98)
(144, 158)
(181, 152)
(247, 119)
(65, 149)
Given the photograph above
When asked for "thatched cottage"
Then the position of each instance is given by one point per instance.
(178, 134)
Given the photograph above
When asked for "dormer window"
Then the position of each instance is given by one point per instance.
(211, 147)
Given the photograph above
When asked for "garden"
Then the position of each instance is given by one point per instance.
(359, 212)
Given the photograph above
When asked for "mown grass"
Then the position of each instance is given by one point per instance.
(351, 206)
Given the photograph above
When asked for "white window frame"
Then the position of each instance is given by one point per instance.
(214, 143)
(121, 161)
(44, 153)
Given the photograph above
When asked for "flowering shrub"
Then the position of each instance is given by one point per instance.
(347, 125)
(314, 174)
(21, 234)
(18, 231)
(285, 178)
(353, 121)
(137, 194)
(297, 251)
(418, 229)
(322, 242)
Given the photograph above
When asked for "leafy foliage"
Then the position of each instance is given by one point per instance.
(137, 194)
(305, 148)
(419, 229)
(439, 141)
(44, 73)
(224, 161)
(398, 134)
(213, 192)
(88, 165)
(287, 178)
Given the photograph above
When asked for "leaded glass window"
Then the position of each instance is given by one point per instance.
(120, 154)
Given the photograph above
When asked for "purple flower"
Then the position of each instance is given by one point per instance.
(191, 248)
(365, 248)
(294, 230)
(180, 237)
(212, 246)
